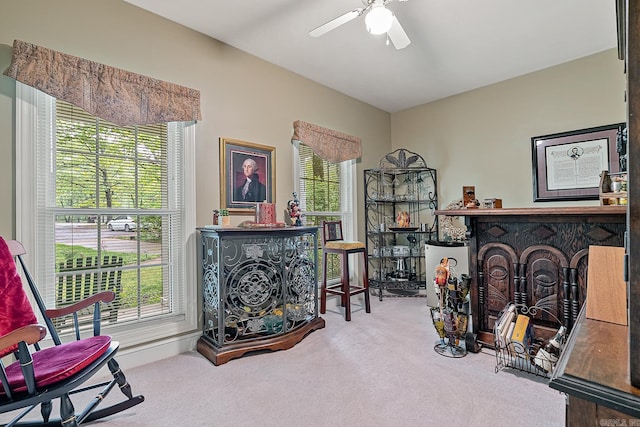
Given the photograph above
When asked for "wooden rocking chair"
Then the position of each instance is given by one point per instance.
(41, 375)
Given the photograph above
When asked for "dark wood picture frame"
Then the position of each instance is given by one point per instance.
(567, 165)
(233, 154)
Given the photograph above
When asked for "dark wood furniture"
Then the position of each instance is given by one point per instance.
(333, 243)
(629, 32)
(259, 289)
(599, 370)
(535, 257)
(594, 373)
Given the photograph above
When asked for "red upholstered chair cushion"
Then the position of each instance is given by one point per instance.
(15, 309)
(55, 364)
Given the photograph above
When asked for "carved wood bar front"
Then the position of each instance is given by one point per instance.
(536, 257)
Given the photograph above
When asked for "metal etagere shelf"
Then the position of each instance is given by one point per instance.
(402, 187)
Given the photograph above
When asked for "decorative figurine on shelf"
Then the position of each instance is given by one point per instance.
(403, 219)
(469, 197)
(293, 209)
(442, 273)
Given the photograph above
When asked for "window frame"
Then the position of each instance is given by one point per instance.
(31, 107)
(348, 212)
(348, 188)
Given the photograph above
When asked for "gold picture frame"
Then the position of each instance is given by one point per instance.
(238, 194)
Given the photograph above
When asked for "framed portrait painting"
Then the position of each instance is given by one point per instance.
(568, 165)
(247, 175)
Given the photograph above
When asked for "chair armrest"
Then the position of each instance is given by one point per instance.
(30, 334)
(105, 296)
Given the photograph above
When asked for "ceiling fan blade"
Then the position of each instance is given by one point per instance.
(335, 23)
(397, 35)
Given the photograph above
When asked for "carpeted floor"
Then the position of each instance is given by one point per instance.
(380, 369)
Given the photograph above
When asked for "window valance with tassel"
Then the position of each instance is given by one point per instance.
(121, 97)
(330, 145)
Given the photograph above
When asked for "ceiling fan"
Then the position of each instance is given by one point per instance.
(378, 20)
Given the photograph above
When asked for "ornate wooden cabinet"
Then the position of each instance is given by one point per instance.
(259, 289)
(536, 257)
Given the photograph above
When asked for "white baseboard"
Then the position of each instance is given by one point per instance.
(151, 352)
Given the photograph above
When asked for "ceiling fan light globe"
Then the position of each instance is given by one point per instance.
(378, 20)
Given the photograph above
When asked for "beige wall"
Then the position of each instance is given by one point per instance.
(483, 137)
(479, 138)
(243, 97)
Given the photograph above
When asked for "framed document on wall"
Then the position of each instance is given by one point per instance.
(567, 165)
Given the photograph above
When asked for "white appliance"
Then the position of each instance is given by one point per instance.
(458, 255)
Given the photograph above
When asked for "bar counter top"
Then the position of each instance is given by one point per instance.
(570, 210)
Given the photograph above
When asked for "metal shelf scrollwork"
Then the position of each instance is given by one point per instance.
(400, 203)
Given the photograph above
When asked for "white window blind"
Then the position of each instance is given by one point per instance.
(326, 192)
(103, 192)
(325, 189)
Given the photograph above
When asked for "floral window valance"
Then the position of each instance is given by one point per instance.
(330, 145)
(121, 97)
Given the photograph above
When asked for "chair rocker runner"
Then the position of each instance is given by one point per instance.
(41, 375)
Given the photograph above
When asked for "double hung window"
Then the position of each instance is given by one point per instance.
(91, 192)
(326, 193)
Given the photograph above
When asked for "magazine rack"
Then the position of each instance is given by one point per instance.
(516, 356)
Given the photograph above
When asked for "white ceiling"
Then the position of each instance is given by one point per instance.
(456, 45)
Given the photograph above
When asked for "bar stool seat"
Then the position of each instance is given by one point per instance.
(333, 243)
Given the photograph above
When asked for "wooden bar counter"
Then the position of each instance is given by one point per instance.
(535, 257)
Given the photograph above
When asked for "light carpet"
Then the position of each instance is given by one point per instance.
(380, 369)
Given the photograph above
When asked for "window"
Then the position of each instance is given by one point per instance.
(326, 191)
(90, 191)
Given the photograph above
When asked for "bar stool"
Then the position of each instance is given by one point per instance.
(333, 243)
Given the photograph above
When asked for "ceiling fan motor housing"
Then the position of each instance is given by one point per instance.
(379, 18)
